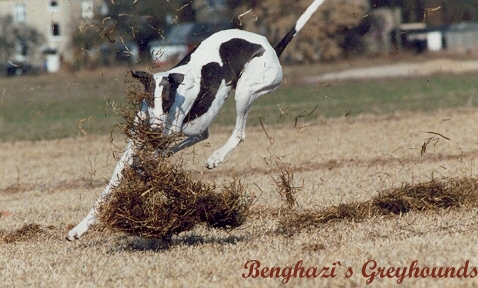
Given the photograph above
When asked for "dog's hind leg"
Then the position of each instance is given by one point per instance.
(261, 76)
(238, 134)
(190, 141)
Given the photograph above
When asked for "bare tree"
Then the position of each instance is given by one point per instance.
(321, 39)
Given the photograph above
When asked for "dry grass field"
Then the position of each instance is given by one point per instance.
(47, 186)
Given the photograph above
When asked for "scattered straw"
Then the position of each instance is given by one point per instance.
(428, 196)
(285, 184)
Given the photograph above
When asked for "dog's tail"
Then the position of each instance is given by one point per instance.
(298, 25)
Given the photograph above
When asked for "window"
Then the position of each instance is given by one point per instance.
(19, 13)
(53, 6)
(21, 48)
(55, 29)
(87, 9)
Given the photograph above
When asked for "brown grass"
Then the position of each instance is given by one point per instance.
(26, 232)
(345, 160)
(368, 154)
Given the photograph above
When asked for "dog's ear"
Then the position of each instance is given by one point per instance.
(144, 77)
(171, 83)
(176, 78)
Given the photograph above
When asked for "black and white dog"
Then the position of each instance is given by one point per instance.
(189, 96)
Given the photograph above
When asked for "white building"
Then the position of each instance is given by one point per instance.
(55, 20)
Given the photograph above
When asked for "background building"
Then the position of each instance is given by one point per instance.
(55, 20)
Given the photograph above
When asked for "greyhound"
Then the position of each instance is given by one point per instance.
(188, 97)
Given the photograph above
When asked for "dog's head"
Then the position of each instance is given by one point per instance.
(161, 89)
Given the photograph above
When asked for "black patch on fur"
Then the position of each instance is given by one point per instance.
(210, 82)
(285, 41)
(235, 54)
(170, 86)
(147, 79)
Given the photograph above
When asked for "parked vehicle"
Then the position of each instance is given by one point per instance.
(17, 68)
(181, 39)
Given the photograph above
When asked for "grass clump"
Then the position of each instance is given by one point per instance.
(428, 196)
(26, 232)
(158, 198)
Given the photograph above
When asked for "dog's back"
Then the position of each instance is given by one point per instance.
(208, 50)
(217, 65)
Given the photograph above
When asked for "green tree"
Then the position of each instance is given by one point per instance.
(144, 20)
(138, 21)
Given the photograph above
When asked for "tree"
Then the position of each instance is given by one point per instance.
(433, 12)
(138, 21)
(18, 39)
(145, 20)
(86, 38)
(323, 36)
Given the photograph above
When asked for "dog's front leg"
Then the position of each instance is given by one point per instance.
(90, 219)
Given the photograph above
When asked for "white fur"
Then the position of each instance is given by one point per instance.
(307, 14)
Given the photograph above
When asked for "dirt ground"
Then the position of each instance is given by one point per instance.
(50, 186)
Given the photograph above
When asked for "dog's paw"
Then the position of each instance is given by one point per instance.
(214, 160)
(81, 228)
(75, 233)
